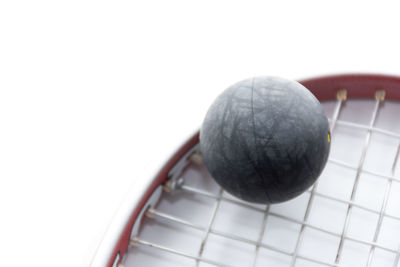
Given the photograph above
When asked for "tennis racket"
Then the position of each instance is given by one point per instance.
(349, 217)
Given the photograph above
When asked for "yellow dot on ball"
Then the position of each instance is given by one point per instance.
(329, 137)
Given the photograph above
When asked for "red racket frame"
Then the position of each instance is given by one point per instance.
(324, 88)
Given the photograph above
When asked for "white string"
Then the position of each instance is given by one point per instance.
(261, 235)
(246, 205)
(136, 241)
(312, 194)
(382, 211)
(208, 229)
(397, 259)
(304, 223)
(357, 179)
(155, 213)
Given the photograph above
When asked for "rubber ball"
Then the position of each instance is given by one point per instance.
(265, 139)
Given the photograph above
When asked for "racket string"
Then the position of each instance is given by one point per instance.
(378, 175)
(305, 222)
(212, 219)
(342, 96)
(383, 209)
(135, 241)
(397, 259)
(157, 214)
(366, 127)
(287, 218)
(261, 235)
(153, 213)
(358, 174)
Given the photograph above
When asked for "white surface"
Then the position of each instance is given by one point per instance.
(93, 92)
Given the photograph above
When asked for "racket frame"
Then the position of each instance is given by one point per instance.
(126, 222)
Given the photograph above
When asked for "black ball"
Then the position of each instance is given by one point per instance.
(265, 139)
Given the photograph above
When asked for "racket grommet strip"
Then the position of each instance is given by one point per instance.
(175, 179)
(151, 202)
(172, 184)
(380, 95)
(341, 95)
(150, 212)
(134, 242)
(197, 158)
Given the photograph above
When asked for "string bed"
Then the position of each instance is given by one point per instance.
(350, 222)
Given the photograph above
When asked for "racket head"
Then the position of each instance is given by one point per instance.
(117, 239)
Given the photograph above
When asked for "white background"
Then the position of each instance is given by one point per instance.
(93, 92)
